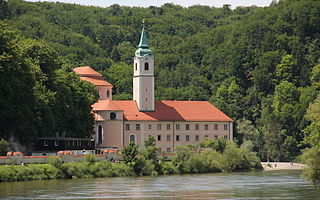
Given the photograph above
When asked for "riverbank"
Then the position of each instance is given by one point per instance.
(267, 166)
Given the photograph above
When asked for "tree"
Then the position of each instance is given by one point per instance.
(285, 70)
(218, 145)
(248, 132)
(4, 147)
(311, 156)
(4, 10)
(129, 153)
(228, 99)
(16, 89)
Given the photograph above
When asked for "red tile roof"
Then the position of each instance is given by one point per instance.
(105, 105)
(86, 71)
(166, 111)
(96, 81)
(88, 74)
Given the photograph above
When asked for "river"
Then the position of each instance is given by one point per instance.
(247, 185)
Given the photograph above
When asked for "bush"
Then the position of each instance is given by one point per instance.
(196, 164)
(90, 158)
(76, 170)
(28, 172)
(311, 157)
(121, 169)
(102, 169)
(55, 162)
(169, 168)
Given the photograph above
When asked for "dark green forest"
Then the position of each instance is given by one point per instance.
(258, 65)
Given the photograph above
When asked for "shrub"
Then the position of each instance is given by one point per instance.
(102, 169)
(169, 168)
(55, 162)
(90, 158)
(121, 169)
(76, 170)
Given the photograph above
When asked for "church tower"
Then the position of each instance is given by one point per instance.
(143, 76)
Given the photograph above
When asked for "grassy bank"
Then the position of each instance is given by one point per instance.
(228, 159)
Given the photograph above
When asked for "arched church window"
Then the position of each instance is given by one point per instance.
(136, 66)
(113, 115)
(146, 66)
(99, 134)
(132, 138)
(108, 93)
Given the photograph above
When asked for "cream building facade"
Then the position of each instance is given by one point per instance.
(171, 123)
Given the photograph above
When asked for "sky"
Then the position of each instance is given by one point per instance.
(147, 3)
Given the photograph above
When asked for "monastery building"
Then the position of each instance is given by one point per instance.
(171, 123)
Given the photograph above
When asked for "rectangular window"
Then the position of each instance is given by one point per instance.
(56, 143)
(168, 150)
(159, 137)
(226, 127)
(206, 127)
(196, 138)
(168, 137)
(206, 136)
(177, 126)
(177, 137)
(225, 137)
(168, 126)
(196, 127)
(187, 127)
(127, 127)
(138, 127)
(215, 127)
(68, 143)
(45, 143)
(149, 127)
(158, 126)
(215, 137)
(187, 138)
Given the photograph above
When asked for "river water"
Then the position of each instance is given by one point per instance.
(248, 185)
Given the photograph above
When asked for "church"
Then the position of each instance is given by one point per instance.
(171, 123)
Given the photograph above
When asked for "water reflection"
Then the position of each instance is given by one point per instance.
(256, 185)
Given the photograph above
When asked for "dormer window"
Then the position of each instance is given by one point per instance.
(146, 66)
(113, 115)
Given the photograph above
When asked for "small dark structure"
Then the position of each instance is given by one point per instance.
(51, 145)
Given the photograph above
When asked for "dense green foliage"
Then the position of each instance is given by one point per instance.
(210, 156)
(4, 147)
(258, 65)
(147, 162)
(311, 156)
(56, 169)
(38, 95)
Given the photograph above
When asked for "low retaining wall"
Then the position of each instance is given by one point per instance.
(18, 160)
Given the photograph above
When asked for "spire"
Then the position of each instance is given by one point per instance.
(143, 47)
(143, 39)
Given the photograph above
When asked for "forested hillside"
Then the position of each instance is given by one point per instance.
(258, 65)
